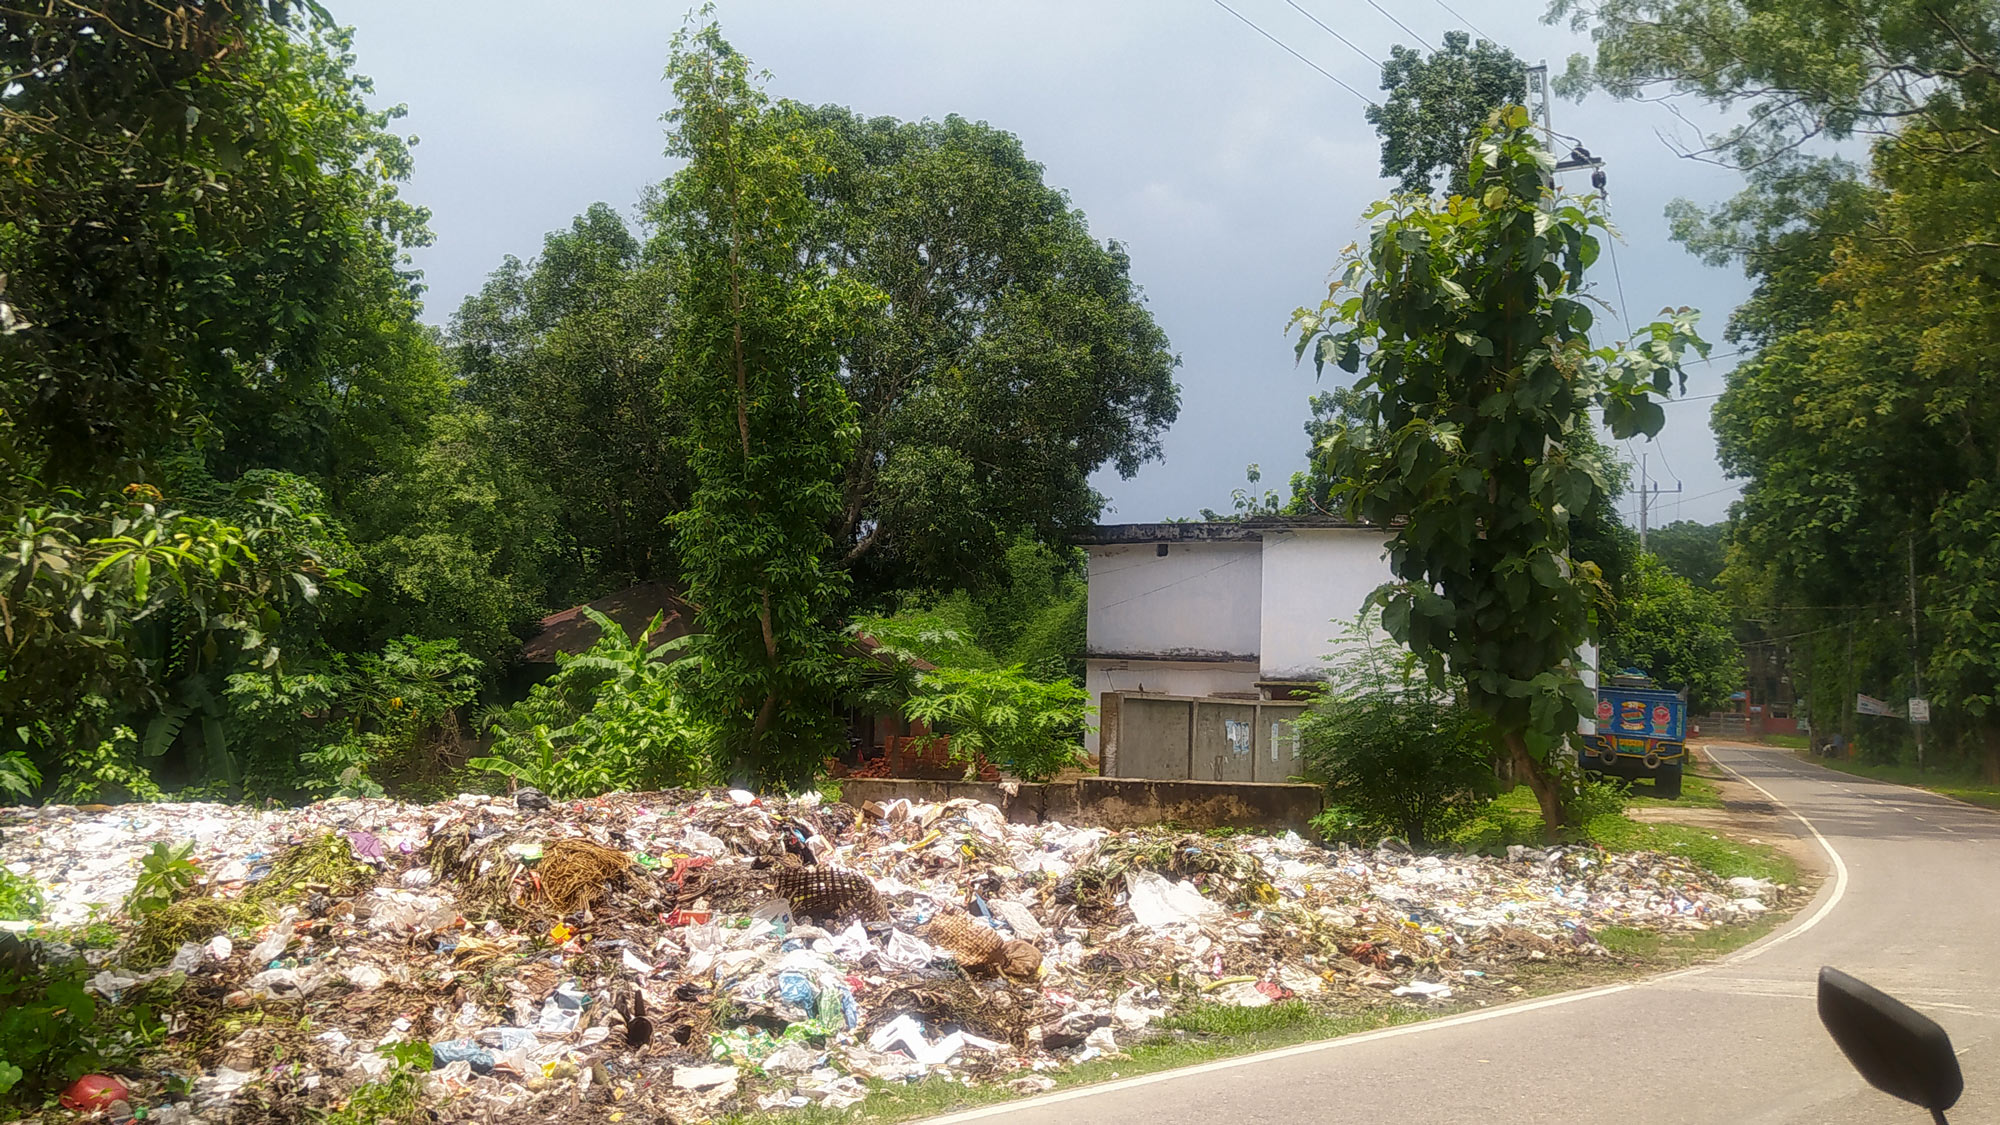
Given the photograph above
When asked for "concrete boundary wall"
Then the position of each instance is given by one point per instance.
(1113, 802)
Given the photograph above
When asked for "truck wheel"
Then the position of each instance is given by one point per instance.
(1667, 782)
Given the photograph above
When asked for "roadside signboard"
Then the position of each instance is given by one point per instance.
(1869, 705)
(1920, 710)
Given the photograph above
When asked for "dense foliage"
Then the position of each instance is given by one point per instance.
(614, 717)
(1398, 755)
(1863, 424)
(1436, 106)
(1466, 325)
(275, 536)
(1678, 633)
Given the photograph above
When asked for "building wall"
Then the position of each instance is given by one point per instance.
(1314, 581)
(1199, 601)
(1164, 677)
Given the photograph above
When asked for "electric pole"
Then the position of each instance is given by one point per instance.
(1642, 502)
(1649, 492)
(1916, 662)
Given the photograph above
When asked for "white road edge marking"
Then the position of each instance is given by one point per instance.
(1832, 900)
(1091, 1091)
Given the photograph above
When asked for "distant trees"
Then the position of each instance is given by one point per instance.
(1692, 550)
(1678, 633)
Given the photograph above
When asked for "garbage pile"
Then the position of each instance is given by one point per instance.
(688, 955)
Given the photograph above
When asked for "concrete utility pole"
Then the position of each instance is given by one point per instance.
(1642, 501)
(1916, 663)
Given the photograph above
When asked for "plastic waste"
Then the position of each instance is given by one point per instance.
(478, 1058)
(1158, 902)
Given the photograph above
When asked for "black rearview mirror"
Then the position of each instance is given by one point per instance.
(1899, 1050)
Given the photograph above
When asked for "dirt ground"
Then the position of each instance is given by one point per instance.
(1746, 813)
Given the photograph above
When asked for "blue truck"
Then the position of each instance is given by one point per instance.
(1641, 732)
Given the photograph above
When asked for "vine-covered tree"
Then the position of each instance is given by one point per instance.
(1436, 105)
(755, 345)
(1466, 324)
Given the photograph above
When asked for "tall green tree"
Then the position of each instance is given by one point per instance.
(755, 345)
(1013, 358)
(1466, 323)
(1678, 633)
(1436, 105)
(568, 357)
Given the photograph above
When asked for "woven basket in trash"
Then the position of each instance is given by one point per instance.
(970, 942)
(828, 894)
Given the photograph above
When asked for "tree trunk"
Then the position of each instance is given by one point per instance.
(1544, 787)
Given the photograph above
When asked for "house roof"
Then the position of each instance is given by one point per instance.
(1250, 530)
(633, 607)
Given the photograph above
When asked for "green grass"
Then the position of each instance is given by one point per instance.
(1200, 1034)
(1697, 792)
(1786, 741)
(1956, 784)
(1514, 819)
(1675, 950)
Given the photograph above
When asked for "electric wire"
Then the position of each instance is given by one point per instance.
(1329, 75)
(1468, 23)
(1399, 23)
(1337, 35)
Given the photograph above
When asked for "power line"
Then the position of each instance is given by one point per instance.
(1399, 23)
(1730, 488)
(1329, 75)
(1337, 35)
(1468, 23)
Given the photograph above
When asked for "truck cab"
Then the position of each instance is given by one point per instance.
(1641, 732)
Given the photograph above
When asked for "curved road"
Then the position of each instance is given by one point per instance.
(1911, 905)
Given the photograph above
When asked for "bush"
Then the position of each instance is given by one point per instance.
(333, 724)
(20, 898)
(611, 718)
(1396, 755)
(1027, 724)
(1032, 729)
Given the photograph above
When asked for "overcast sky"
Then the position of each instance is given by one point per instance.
(1233, 172)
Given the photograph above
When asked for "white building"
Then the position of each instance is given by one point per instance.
(1227, 613)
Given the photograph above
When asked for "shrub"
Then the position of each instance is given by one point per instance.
(53, 1030)
(1396, 755)
(611, 718)
(1029, 725)
(335, 723)
(20, 898)
(1031, 728)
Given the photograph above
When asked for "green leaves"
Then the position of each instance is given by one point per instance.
(755, 342)
(165, 874)
(1459, 430)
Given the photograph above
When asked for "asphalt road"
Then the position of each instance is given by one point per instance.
(1911, 905)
